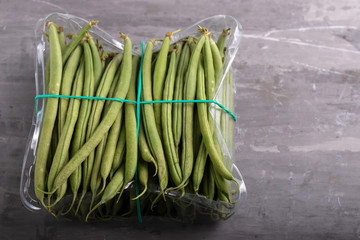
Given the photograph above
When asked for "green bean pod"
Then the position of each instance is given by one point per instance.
(192, 43)
(119, 154)
(67, 81)
(221, 41)
(131, 127)
(159, 78)
(61, 37)
(150, 128)
(87, 105)
(47, 75)
(79, 136)
(213, 71)
(205, 126)
(223, 117)
(199, 167)
(187, 157)
(171, 154)
(197, 133)
(75, 40)
(178, 93)
(98, 68)
(110, 147)
(50, 113)
(210, 184)
(111, 189)
(217, 61)
(95, 178)
(143, 176)
(144, 148)
(62, 149)
(209, 70)
(220, 183)
(106, 122)
(112, 89)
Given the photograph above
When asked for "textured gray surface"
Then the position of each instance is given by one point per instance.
(297, 137)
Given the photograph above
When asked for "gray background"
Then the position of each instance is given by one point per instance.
(297, 102)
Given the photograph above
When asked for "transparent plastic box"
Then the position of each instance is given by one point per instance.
(187, 208)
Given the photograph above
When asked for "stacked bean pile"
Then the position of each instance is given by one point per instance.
(94, 145)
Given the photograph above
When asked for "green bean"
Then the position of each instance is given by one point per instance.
(87, 105)
(167, 134)
(111, 189)
(205, 127)
(83, 118)
(209, 70)
(54, 140)
(217, 61)
(178, 49)
(143, 177)
(50, 112)
(204, 185)
(187, 157)
(212, 73)
(76, 40)
(154, 59)
(47, 76)
(106, 122)
(159, 78)
(144, 148)
(221, 196)
(112, 90)
(75, 182)
(221, 41)
(95, 177)
(178, 93)
(211, 184)
(131, 127)
(223, 96)
(109, 151)
(220, 182)
(150, 129)
(66, 85)
(98, 69)
(119, 154)
(192, 43)
(62, 149)
(61, 38)
(104, 56)
(199, 167)
(197, 133)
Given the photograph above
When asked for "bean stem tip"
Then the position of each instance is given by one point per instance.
(92, 23)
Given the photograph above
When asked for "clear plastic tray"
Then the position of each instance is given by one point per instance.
(197, 204)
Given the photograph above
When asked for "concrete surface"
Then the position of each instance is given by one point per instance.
(297, 137)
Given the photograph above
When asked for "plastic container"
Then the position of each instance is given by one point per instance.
(188, 208)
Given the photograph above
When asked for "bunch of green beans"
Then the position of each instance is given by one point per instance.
(93, 148)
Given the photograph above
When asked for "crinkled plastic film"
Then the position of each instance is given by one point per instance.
(189, 207)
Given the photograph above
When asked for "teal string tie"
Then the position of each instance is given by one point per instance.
(137, 102)
(137, 131)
